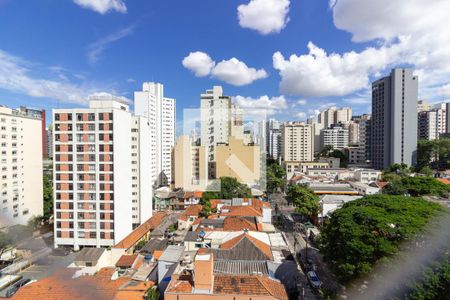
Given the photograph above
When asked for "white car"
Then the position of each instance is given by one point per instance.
(314, 280)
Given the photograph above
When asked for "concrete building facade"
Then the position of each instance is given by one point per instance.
(337, 137)
(98, 156)
(296, 142)
(394, 119)
(273, 138)
(161, 114)
(21, 167)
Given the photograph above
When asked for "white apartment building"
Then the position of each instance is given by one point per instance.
(343, 115)
(216, 115)
(431, 124)
(336, 137)
(296, 142)
(367, 175)
(21, 169)
(334, 115)
(101, 168)
(49, 141)
(161, 113)
(273, 138)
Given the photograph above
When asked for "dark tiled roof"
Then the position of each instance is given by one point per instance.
(154, 244)
(243, 247)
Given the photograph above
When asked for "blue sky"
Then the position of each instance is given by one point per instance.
(54, 53)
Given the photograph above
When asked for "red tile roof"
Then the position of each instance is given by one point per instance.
(249, 285)
(137, 234)
(126, 261)
(443, 180)
(196, 194)
(99, 286)
(238, 224)
(191, 211)
(241, 211)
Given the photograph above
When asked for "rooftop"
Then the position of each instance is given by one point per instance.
(89, 254)
(172, 253)
(137, 234)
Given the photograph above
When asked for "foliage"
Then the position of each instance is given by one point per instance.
(435, 283)
(329, 151)
(35, 222)
(368, 229)
(435, 154)
(5, 240)
(140, 245)
(417, 186)
(152, 294)
(48, 197)
(275, 177)
(173, 227)
(304, 200)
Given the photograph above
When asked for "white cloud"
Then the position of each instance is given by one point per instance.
(236, 72)
(302, 101)
(301, 115)
(95, 50)
(19, 76)
(232, 71)
(358, 101)
(103, 6)
(199, 63)
(318, 74)
(131, 80)
(412, 33)
(106, 95)
(264, 16)
(262, 105)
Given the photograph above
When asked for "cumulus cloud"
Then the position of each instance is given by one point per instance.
(96, 49)
(103, 6)
(199, 63)
(423, 44)
(301, 115)
(264, 16)
(19, 76)
(105, 95)
(319, 74)
(236, 72)
(302, 101)
(232, 71)
(262, 105)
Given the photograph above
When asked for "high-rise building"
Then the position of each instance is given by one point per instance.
(102, 183)
(342, 115)
(432, 123)
(21, 166)
(423, 105)
(336, 136)
(353, 132)
(273, 138)
(394, 119)
(190, 165)
(161, 114)
(364, 139)
(49, 141)
(216, 115)
(37, 114)
(296, 142)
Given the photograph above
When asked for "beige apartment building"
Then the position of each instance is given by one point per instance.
(238, 160)
(21, 167)
(296, 142)
(190, 165)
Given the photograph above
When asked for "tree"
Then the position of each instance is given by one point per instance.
(275, 177)
(152, 294)
(342, 157)
(366, 230)
(304, 200)
(417, 186)
(427, 171)
(435, 154)
(48, 197)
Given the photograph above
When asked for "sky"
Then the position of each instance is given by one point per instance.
(290, 58)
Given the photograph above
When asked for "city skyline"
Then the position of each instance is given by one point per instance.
(110, 54)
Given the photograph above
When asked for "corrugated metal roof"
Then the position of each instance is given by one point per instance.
(239, 267)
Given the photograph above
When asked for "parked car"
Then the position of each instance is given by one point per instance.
(314, 280)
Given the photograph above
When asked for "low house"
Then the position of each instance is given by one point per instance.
(168, 260)
(332, 189)
(365, 189)
(204, 283)
(367, 175)
(188, 217)
(141, 233)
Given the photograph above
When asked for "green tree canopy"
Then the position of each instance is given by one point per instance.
(365, 230)
(48, 196)
(304, 200)
(435, 154)
(275, 176)
(417, 186)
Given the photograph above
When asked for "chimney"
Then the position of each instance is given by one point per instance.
(203, 273)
